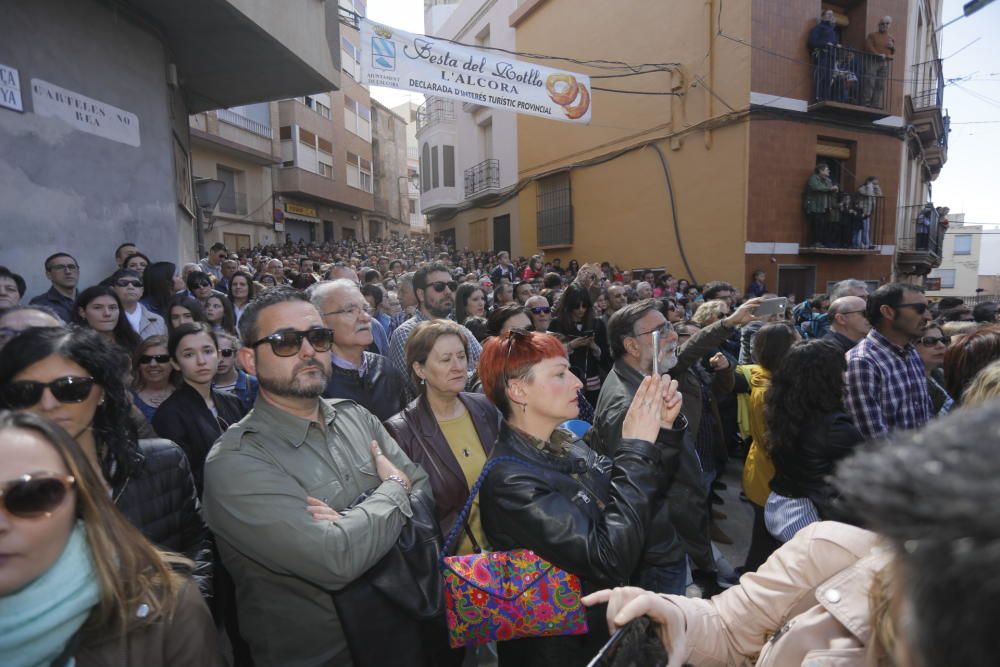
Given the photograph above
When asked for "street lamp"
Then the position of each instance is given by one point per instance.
(207, 193)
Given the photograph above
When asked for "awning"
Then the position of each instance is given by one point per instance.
(301, 218)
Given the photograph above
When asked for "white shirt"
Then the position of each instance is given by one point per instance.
(135, 318)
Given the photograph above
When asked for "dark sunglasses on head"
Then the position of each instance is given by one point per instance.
(538, 310)
(35, 495)
(227, 353)
(25, 393)
(918, 308)
(128, 283)
(150, 358)
(929, 341)
(440, 285)
(288, 343)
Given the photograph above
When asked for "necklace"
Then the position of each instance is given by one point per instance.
(155, 398)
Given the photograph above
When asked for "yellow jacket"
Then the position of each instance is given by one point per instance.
(758, 469)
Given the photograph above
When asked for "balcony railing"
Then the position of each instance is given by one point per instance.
(928, 85)
(848, 76)
(482, 178)
(234, 203)
(434, 110)
(242, 122)
(919, 230)
(843, 223)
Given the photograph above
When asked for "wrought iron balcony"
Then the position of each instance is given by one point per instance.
(928, 85)
(850, 80)
(484, 178)
(435, 110)
(843, 223)
(920, 237)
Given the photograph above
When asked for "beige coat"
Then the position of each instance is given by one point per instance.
(807, 606)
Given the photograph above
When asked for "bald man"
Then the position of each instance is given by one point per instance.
(848, 323)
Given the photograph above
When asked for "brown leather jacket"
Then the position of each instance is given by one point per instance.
(417, 432)
(186, 639)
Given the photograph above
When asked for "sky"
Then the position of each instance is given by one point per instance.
(966, 183)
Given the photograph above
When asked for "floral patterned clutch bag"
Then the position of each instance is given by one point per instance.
(502, 595)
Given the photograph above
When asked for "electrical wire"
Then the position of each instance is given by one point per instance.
(673, 211)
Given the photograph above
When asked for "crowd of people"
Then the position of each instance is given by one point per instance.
(209, 464)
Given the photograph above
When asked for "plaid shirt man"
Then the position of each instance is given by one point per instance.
(886, 387)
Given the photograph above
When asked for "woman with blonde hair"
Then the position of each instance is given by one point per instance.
(985, 386)
(79, 584)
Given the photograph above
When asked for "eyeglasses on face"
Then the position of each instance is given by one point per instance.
(288, 343)
(228, 352)
(538, 310)
(35, 495)
(62, 267)
(930, 341)
(128, 283)
(354, 310)
(440, 285)
(918, 308)
(664, 329)
(150, 358)
(203, 283)
(25, 393)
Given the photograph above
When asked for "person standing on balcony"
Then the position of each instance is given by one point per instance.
(867, 193)
(882, 45)
(820, 200)
(924, 221)
(822, 43)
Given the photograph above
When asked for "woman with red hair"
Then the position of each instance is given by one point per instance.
(585, 513)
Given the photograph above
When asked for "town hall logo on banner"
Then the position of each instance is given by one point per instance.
(383, 50)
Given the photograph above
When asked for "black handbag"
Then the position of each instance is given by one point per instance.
(401, 591)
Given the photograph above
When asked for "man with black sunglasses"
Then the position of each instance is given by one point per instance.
(63, 272)
(886, 384)
(435, 292)
(284, 488)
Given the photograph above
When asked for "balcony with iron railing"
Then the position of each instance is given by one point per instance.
(433, 111)
(482, 179)
(924, 103)
(843, 223)
(919, 239)
(850, 81)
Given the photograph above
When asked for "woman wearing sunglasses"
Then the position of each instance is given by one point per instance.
(932, 346)
(585, 338)
(128, 285)
(582, 512)
(75, 379)
(151, 376)
(99, 308)
(196, 414)
(78, 584)
(470, 301)
(200, 285)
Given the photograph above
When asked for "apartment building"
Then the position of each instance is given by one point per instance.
(391, 218)
(700, 163)
(958, 274)
(94, 129)
(408, 110)
(468, 152)
(238, 146)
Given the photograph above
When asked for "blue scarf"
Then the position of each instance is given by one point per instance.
(37, 621)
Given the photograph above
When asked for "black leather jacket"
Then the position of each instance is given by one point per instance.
(586, 513)
(380, 391)
(803, 471)
(160, 500)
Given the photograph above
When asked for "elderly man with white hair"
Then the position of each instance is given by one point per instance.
(357, 374)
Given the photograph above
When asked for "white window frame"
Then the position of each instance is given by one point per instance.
(965, 238)
(947, 277)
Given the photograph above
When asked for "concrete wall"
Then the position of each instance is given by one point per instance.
(621, 209)
(68, 190)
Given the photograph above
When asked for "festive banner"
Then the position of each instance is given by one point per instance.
(398, 59)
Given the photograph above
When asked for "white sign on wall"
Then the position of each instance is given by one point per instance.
(85, 113)
(399, 59)
(10, 88)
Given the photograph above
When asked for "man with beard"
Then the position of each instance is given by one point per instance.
(362, 376)
(435, 291)
(282, 490)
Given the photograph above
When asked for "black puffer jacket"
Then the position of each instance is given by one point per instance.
(586, 513)
(160, 500)
(803, 471)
